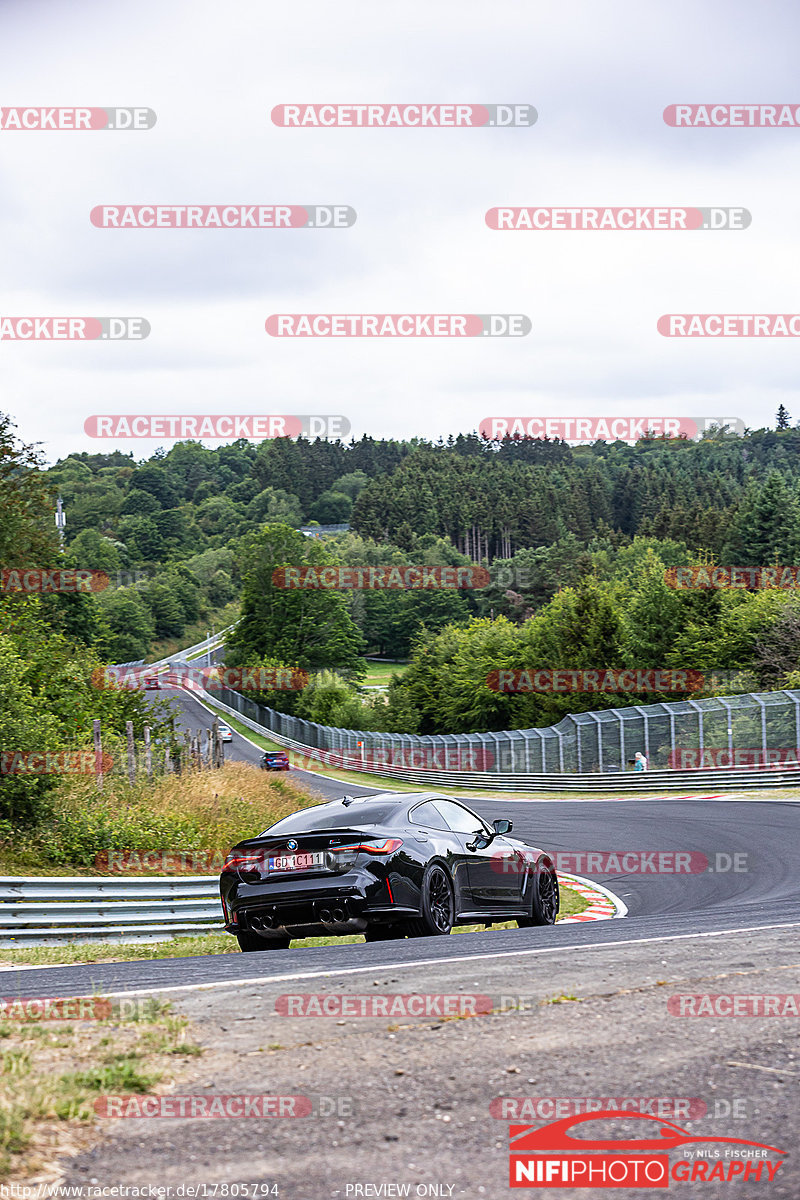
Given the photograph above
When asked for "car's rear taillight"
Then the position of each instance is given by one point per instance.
(387, 847)
(245, 865)
(341, 858)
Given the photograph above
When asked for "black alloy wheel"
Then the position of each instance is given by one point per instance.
(438, 904)
(544, 897)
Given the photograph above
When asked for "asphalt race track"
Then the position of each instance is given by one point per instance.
(196, 718)
(756, 844)
(422, 1091)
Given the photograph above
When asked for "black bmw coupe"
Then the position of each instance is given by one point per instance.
(388, 866)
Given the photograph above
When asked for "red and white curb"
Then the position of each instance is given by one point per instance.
(603, 904)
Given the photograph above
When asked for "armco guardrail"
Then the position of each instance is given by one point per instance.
(629, 781)
(35, 910)
(209, 643)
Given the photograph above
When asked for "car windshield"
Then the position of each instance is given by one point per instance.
(335, 816)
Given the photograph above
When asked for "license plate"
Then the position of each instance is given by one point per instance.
(297, 862)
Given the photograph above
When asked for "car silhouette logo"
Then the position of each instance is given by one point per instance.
(555, 1136)
(292, 845)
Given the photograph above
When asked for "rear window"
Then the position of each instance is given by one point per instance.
(335, 816)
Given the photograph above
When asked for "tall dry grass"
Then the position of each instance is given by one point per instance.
(206, 810)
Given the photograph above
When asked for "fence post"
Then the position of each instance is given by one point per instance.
(763, 729)
(700, 731)
(148, 753)
(131, 753)
(646, 730)
(98, 755)
(599, 740)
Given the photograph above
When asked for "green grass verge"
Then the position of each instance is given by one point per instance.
(212, 943)
(50, 1075)
(379, 674)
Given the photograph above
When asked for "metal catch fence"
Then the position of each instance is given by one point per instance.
(740, 732)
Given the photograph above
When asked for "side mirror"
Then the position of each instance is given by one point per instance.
(480, 840)
(501, 827)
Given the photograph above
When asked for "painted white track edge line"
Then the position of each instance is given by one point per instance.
(435, 962)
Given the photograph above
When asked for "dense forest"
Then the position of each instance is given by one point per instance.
(166, 529)
(576, 539)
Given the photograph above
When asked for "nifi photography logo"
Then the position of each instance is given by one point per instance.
(579, 1152)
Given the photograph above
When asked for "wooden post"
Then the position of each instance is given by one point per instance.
(167, 762)
(148, 753)
(131, 753)
(98, 755)
(218, 745)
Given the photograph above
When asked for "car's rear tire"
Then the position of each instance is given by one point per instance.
(249, 942)
(383, 933)
(543, 900)
(438, 904)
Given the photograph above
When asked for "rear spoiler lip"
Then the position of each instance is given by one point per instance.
(281, 839)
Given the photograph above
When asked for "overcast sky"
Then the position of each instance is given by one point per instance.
(599, 75)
